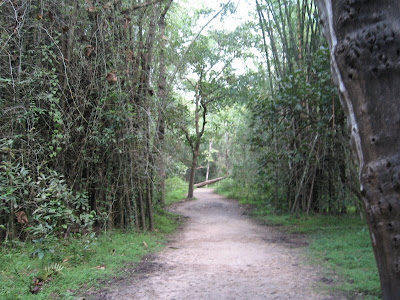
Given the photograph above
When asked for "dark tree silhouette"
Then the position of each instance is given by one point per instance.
(364, 39)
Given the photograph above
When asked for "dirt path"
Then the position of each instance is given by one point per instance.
(220, 254)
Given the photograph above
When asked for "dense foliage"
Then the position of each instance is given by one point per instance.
(91, 126)
(301, 136)
(108, 108)
(79, 115)
(300, 160)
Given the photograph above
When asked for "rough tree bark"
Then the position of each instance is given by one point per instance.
(364, 39)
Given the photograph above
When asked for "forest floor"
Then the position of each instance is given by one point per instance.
(221, 253)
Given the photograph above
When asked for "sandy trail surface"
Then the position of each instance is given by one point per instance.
(221, 254)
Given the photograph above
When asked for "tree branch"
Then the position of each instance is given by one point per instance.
(192, 42)
(187, 135)
(145, 4)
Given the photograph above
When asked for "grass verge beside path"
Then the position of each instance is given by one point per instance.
(82, 261)
(341, 244)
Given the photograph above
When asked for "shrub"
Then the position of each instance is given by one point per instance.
(175, 189)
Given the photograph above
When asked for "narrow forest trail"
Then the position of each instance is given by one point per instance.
(220, 254)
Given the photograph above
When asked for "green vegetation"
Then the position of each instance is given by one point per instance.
(67, 265)
(230, 189)
(175, 189)
(166, 222)
(105, 106)
(339, 243)
(348, 252)
(58, 268)
(79, 146)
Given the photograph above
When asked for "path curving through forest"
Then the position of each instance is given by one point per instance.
(221, 254)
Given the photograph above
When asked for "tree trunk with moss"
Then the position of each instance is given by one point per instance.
(364, 39)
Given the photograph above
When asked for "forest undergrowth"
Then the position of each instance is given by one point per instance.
(60, 269)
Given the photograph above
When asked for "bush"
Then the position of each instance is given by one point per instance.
(232, 189)
(43, 201)
(175, 189)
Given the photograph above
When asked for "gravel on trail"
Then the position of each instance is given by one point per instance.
(221, 253)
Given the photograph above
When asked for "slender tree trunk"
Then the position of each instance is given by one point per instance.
(271, 37)
(364, 39)
(128, 212)
(208, 161)
(261, 22)
(200, 113)
(162, 95)
(150, 205)
(195, 156)
(142, 213)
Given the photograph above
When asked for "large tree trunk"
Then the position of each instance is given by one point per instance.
(364, 38)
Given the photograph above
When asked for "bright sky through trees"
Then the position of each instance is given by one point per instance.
(244, 12)
(230, 22)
